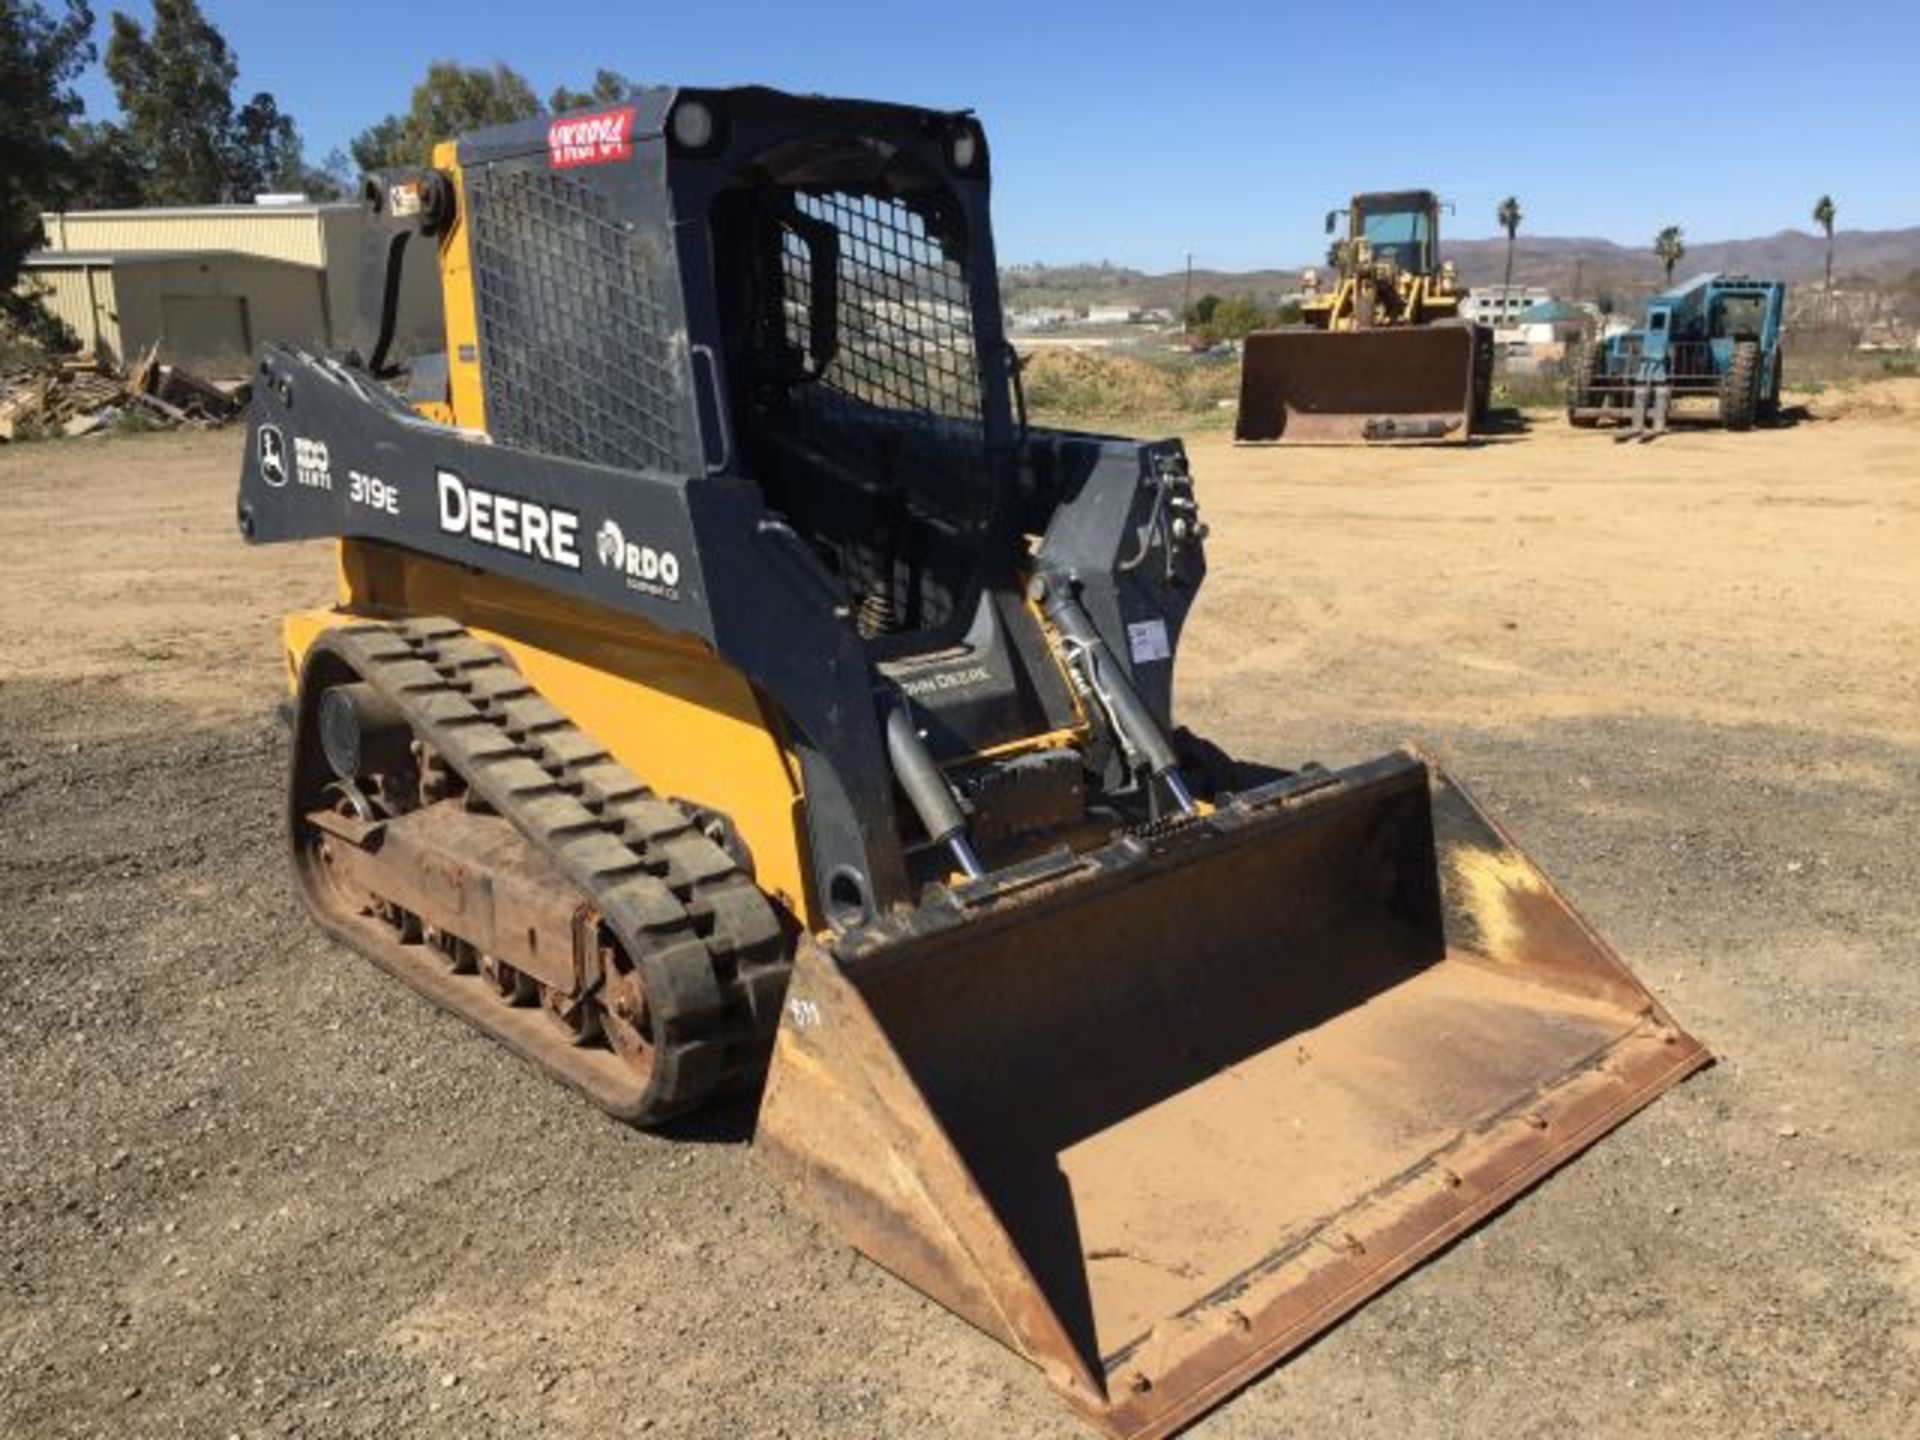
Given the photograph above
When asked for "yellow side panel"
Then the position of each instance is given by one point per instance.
(687, 724)
(456, 290)
(298, 631)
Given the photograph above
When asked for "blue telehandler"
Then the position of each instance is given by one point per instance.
(1716, 337)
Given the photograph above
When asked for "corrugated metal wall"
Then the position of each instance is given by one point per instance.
(339, 231)
(206, 312)
(171, 304)
(83, 299)
(324, 239)
(296, 233)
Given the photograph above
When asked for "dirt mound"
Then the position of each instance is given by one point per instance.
(1882, 400)
(1092, 382)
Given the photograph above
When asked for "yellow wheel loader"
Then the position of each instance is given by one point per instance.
(728, 689)
(1382, 353)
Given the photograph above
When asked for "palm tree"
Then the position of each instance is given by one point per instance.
(1823, 213)
(1667, 247)
(1508, 217)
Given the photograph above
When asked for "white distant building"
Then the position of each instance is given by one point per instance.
(1540, 337)
(1121, 314)
(1041, 317)
(1502, 305)
(1555, 323)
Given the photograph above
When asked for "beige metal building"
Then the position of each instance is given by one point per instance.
(206, 310)
(208, 284)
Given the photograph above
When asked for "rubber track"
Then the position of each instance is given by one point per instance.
(711, 951)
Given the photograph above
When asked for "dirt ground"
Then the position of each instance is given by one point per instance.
(250, 1186)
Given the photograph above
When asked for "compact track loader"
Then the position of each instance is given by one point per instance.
(729, 688)
(1383, 354)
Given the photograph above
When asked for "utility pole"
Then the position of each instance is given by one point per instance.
(1186, 305)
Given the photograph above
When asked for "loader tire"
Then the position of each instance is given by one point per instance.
(1740, 387)
(1770, 402)
(1482, 375)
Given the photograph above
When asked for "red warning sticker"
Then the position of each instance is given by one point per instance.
(591, 139)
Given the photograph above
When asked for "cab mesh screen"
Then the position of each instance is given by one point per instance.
(574, 329)
(904, 320)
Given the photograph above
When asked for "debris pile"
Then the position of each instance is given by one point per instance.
(67, 396)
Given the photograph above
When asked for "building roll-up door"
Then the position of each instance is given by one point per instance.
(207, 333)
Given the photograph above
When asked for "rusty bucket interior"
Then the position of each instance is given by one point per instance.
(1306, 386)
(1156, 1124)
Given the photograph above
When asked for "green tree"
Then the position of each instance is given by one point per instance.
(609, 87)
(175, 88)
(192, 145)
(42, 50)
(1508, 217)
(1200, 314)
(1212, 318)
(451, 100)
(379, 145)
(1824, 212)
(1239, 317)
(1669, 249)
(266, 147)
(337, 176)
(107, 174)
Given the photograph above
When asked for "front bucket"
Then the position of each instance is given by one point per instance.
(1306, 386)
(1156, 1115)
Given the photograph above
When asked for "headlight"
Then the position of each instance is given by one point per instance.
(963, 148)
(692, 125)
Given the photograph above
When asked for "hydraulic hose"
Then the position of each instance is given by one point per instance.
(927, 791)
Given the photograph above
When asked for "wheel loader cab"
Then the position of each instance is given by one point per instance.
(1399, 228)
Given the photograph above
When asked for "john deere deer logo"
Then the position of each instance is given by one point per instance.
(611, 544)
(271, 446)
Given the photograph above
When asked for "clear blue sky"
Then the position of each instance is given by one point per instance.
(1137, 132)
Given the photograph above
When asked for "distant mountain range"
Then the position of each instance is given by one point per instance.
(1573, 268)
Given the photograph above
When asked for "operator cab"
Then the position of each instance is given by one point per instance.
(845, 269)
(866, 390)
(1740, 316)
(1399, 225)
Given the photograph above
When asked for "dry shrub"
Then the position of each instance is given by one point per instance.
(1530, 389)
(1882, 400)
(1066, 383)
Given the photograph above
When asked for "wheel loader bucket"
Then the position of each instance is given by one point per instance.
(1156, 1115)
(1306, 386)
